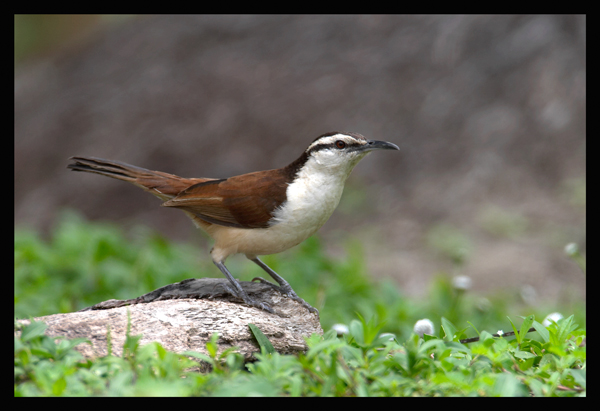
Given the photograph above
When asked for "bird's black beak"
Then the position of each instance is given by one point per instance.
(379, 145)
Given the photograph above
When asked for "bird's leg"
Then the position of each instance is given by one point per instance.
(239, 292)
(284, 287)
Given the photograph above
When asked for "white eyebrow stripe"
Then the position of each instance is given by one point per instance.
(332, 139)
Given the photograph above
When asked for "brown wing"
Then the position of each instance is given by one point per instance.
(246, 201)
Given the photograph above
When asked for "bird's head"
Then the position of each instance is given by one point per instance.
(342, 151)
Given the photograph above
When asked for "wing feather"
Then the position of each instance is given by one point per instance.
(246, 201)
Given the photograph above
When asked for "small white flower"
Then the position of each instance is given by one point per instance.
(462, 282)
(553, 316)
(340, 329)
(424, 326)
(500, 332)
(571, 249)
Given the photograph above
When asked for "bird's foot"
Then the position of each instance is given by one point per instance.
(247, 300)
(288, 292)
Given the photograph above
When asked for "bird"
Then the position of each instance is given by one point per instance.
(259, 213)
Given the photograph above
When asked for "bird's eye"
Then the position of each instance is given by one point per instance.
(340, 144)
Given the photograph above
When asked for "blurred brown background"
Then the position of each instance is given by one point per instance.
(489, 113)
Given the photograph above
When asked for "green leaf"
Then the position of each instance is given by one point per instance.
(263, 341)
(517, 336)
(449, 329)
(578, 376)
(356, 331)
(565, 327)
(437, 343)
(199, 355)
(329, 335)
(228, 351)
(24, 356)
(542, 331)
(486, 336)
(39, 352)
(131, 345)
(318, 348)
(35, 329)
(66, 345)
(211, 345)
(527, 364)
(538, 388)
(160, 351)
(59, 386)
(524, 354)
(475, 328)
(507, 385)
(527, 321)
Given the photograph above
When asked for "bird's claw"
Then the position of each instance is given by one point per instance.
(247, 300)
(288, 292)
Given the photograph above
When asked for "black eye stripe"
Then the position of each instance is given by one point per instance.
(349, 146)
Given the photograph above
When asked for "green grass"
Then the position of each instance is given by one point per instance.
(83, 263)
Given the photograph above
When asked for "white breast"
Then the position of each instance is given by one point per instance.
(311, 199)
(313, 196)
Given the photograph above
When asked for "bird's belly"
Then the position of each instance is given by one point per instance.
(257, 241)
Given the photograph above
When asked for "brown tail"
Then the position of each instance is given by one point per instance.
(162, 185)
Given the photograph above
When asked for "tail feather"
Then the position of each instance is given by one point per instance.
(107, 168)
(162, 185)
